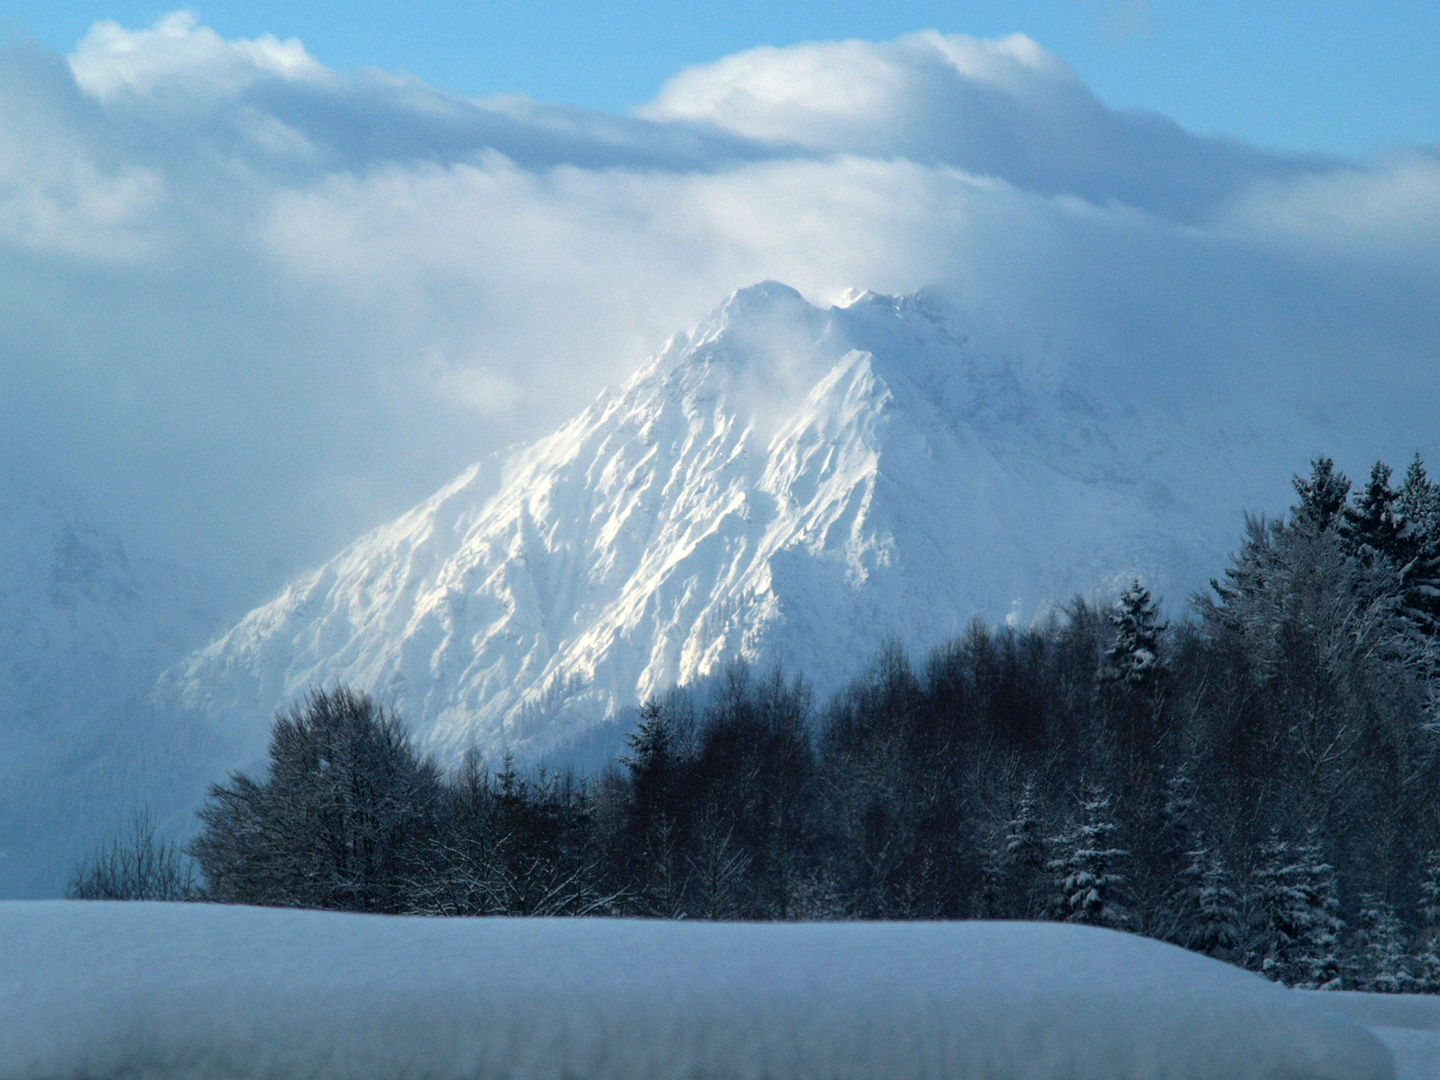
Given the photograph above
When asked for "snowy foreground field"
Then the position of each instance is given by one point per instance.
(92, 991)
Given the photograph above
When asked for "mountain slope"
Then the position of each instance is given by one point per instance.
(784, 484)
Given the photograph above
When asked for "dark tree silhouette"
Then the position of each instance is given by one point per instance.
(340, 822)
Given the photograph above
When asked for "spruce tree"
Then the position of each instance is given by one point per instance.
(656, 832)
(1172, 848)
(1427, 958)
(1296, 931)
(651, 759)
(1131, 684)
(1384, 962)
(1213, 923)
(1317, 881)
(1322, 496)
(1088, 874)
(1372, 525)
(1023, 858)
(1132, 662)
(1419, 555)
(1177, 815)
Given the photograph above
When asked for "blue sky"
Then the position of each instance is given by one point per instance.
(1340, 76)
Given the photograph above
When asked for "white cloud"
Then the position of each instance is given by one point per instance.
(1004, 108)
(62, 189)
(829, 92)
(1387, 216)
(177, 54)
(257, 305)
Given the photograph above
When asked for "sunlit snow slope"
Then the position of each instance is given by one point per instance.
(785, 484)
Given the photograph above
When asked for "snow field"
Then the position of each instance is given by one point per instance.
(152, 991)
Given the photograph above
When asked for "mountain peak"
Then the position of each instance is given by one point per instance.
(786, 484)
(764, 295)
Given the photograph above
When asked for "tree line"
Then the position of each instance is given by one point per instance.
(1257, 781)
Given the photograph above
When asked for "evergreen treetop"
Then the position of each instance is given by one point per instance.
(1133, 658)
(1372, 526)
(1322, 496)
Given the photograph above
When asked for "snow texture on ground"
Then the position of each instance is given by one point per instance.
(95, 990)
(784, 484)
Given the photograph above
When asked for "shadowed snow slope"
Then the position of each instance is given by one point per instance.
(198, 991)
(786, 484)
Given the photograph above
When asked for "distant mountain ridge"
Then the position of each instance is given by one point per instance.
(784, 484)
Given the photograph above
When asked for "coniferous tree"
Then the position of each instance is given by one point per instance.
(1296, 931)
(1015, 885)
(1322, 496)
(1132, 682)
(1132, 661)
(1280, 919)
(1170, 852)
(1212, 924)
(1384, 961)
(658, 852)
(1427, 957)
(1177, 814)
(652, 762)
(1371, 526)
(1325, 956)
(1419, 499)
(1419, 504)
(1089, 879)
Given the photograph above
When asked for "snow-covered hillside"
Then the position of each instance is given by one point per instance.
(84, 631)
(784, 484)
(208, 991)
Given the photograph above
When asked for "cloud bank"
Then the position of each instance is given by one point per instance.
(250, 306)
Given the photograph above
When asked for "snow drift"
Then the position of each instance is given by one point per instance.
(785, 484)
(147, 990)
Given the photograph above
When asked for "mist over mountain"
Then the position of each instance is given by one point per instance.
(786, 484)
(84, 630)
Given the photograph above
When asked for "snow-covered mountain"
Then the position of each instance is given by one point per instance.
(784, 484)
(84, 631)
